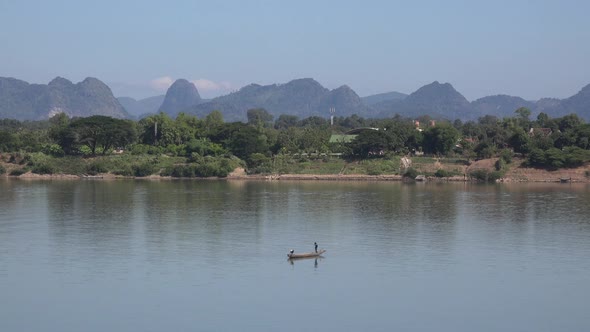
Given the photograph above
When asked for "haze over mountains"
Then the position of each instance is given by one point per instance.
(300, 97)
(142, 107)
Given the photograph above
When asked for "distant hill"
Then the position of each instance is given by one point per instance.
(345, 102)
(500, 105)
(578, 103)
(23, 101)
(381, 97)
(301, 97)
(181, 95)
(435, 99)
(143, 106)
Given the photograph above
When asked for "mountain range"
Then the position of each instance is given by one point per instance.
(300, 97)
(23, 101)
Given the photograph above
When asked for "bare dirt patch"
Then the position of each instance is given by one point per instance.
(517, 173)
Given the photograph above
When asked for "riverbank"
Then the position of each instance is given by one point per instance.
(514, 172)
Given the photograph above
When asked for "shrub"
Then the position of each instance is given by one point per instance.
(2, 169)
(32, 159)
(506, 155)
(374, 169)
(176, 150)
(96, 168)
(179, 171)
(16, 158)
(575, 156)
(536, 158)
(411, 173)
(124, 170)
(206, 170)
(495, 175)
(43, 168)
(27, 160)
(484, 175)
(259, 163)
(144, 169)
(18, 172)
(555, 158)
(155, 150)
(485, 150)
(207, 166)
(53, 150)
(441, 173)
(139, 149)
(500, 164)
(85, 151)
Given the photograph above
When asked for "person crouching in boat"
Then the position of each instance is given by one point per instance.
(291, 252)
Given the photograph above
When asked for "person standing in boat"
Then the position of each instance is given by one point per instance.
(316, 246)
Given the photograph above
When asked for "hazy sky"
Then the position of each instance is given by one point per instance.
(530, 49)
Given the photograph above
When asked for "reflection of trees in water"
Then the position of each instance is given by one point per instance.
(213, 219)
(385, 219)
(15, 195)
(18, 196)
(88, 218)
(520, 203)
(407, 217)
(201, 217)
(510, 215)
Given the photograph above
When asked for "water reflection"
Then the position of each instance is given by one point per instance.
(122, 248)
(315, 260)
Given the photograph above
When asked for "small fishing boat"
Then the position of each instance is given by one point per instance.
(306, 254)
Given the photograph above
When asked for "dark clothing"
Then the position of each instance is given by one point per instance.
(316, 246)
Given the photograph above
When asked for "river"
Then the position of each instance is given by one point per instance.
(175, 255)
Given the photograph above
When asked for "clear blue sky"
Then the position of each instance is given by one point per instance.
(531, 49)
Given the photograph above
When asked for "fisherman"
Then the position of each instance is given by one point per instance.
(291, 251)
(316, 246)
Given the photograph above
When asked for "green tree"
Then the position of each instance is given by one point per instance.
(570, 121)
(582, 133)
(520, 141)
(536, 157)
(8, 141)
(103, 132)
(313, 121)
(259, 117)
(543, 120)
(62, 134)
(370, 143)
(523, 117)
(485, 150)
(186, 127)
(246, 141)
(158, 129)
(286, 121)
(440, 139)
(215, 118)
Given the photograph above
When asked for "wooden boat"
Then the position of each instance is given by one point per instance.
(306, 254)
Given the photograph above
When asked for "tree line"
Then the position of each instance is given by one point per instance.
(544, 142)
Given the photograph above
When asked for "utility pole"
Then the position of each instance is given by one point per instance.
(332, 111)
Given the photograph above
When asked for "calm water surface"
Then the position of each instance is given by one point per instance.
(211, 256)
